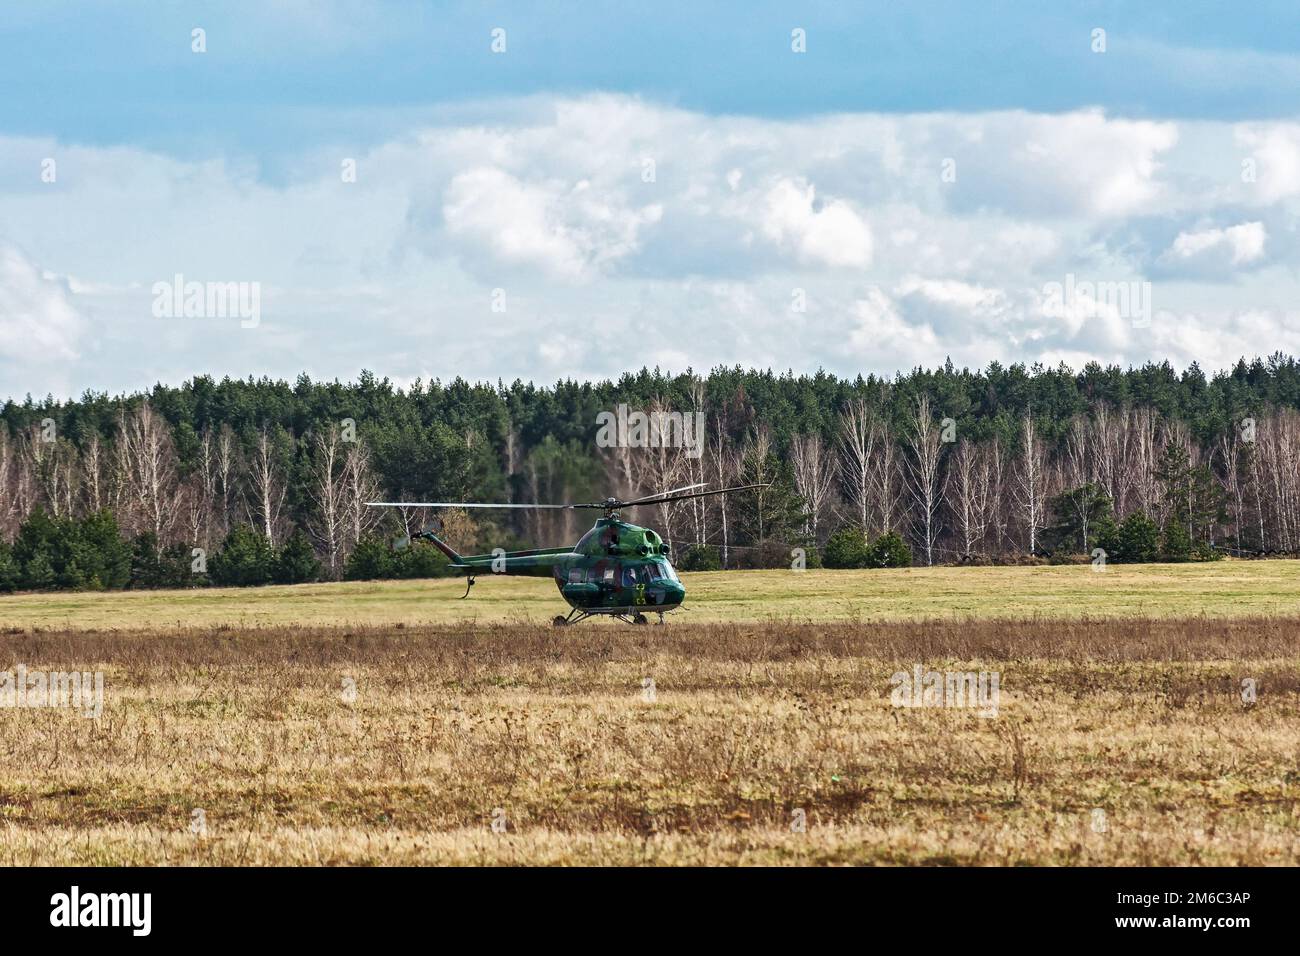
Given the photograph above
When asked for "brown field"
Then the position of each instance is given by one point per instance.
(1115, 742)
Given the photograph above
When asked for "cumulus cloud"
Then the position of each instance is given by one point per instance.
(566, 230)
(1074, 164)
(1244, 243)
(39, 321)
(611, 213)
(1272, 169)
(827, 233)
(1214, 251)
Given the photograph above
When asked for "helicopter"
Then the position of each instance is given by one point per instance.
(616, 569)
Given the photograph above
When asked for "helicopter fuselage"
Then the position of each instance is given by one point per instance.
(616, 568)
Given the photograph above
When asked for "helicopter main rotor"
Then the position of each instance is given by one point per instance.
(609, 506)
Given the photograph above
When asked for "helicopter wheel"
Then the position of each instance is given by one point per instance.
(560, 621)
(640, 619)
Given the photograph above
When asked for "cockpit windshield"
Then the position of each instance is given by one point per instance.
(666, 566)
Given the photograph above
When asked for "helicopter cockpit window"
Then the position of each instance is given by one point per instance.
(670, 573)
(575, 575)
(652, 572)
(608, 576)
(629, 577)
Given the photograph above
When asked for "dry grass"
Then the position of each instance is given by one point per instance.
(1220, 589)
(750, 724)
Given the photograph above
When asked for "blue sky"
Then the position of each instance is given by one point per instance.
(917, 179)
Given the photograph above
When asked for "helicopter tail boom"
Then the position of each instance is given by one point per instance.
(443, 546)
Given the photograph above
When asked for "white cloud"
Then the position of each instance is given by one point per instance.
(1078, 164)
(829, 233)
(1275, 155)
(39, 322)
(513, 221)
(550, 199)
(1231, 247)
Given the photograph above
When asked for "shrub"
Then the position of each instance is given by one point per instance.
(154, 567)
(66, 553)
(1177, 543)
(1138, 540)
(846, 548)
(102, 552)
(296, 563)
(420, 561)
(370, 560)
(700, 557)
(767, 554)
(245, 558)
(889, 551)
(10, 572)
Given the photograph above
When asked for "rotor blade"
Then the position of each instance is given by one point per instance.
(699, 494)
(661, 494)
(458, 504)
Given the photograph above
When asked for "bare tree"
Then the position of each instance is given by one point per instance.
(1111, 438)
(815, 471)
(328, 490)
(1031, 482)
(194, 508)
(755, 457)
(696, 466)
(92, 473)
(857, 442)
(725, 462)
(974, 490)
(1146, 449)
(149, 480)
(10, 515)
(226, 471)
(667, 466)
(267, 488)
(1232, 452)
(925, 477)
(360, 486)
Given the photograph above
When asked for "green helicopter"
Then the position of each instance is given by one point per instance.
(617, 569)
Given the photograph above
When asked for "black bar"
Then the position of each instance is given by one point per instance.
(613, 907)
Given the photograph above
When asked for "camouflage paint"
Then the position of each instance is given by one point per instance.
(593, 574)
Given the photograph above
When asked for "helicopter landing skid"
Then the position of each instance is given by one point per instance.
(579, 614)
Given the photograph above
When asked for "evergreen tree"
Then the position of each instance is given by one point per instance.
(370, 560)
(1080, 514)
(889, 551)
(846, 548)
(10, 571)
(297, 563)
(1138, 540)
(700, 557)
(245, 558)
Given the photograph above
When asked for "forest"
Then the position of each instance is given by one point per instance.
(241, 482)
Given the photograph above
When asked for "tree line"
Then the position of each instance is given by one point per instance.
(258, 481)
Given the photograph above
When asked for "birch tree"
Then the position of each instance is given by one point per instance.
(1031, 483)
(815, 472)
(267, 488)
(328, 491)
(857, 443)
(925, 475)
(149, 479)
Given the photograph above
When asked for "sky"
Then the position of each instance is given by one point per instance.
(547, 191)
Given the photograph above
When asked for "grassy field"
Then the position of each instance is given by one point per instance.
(392, 723)
(1113, 743)
(1221, 589)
